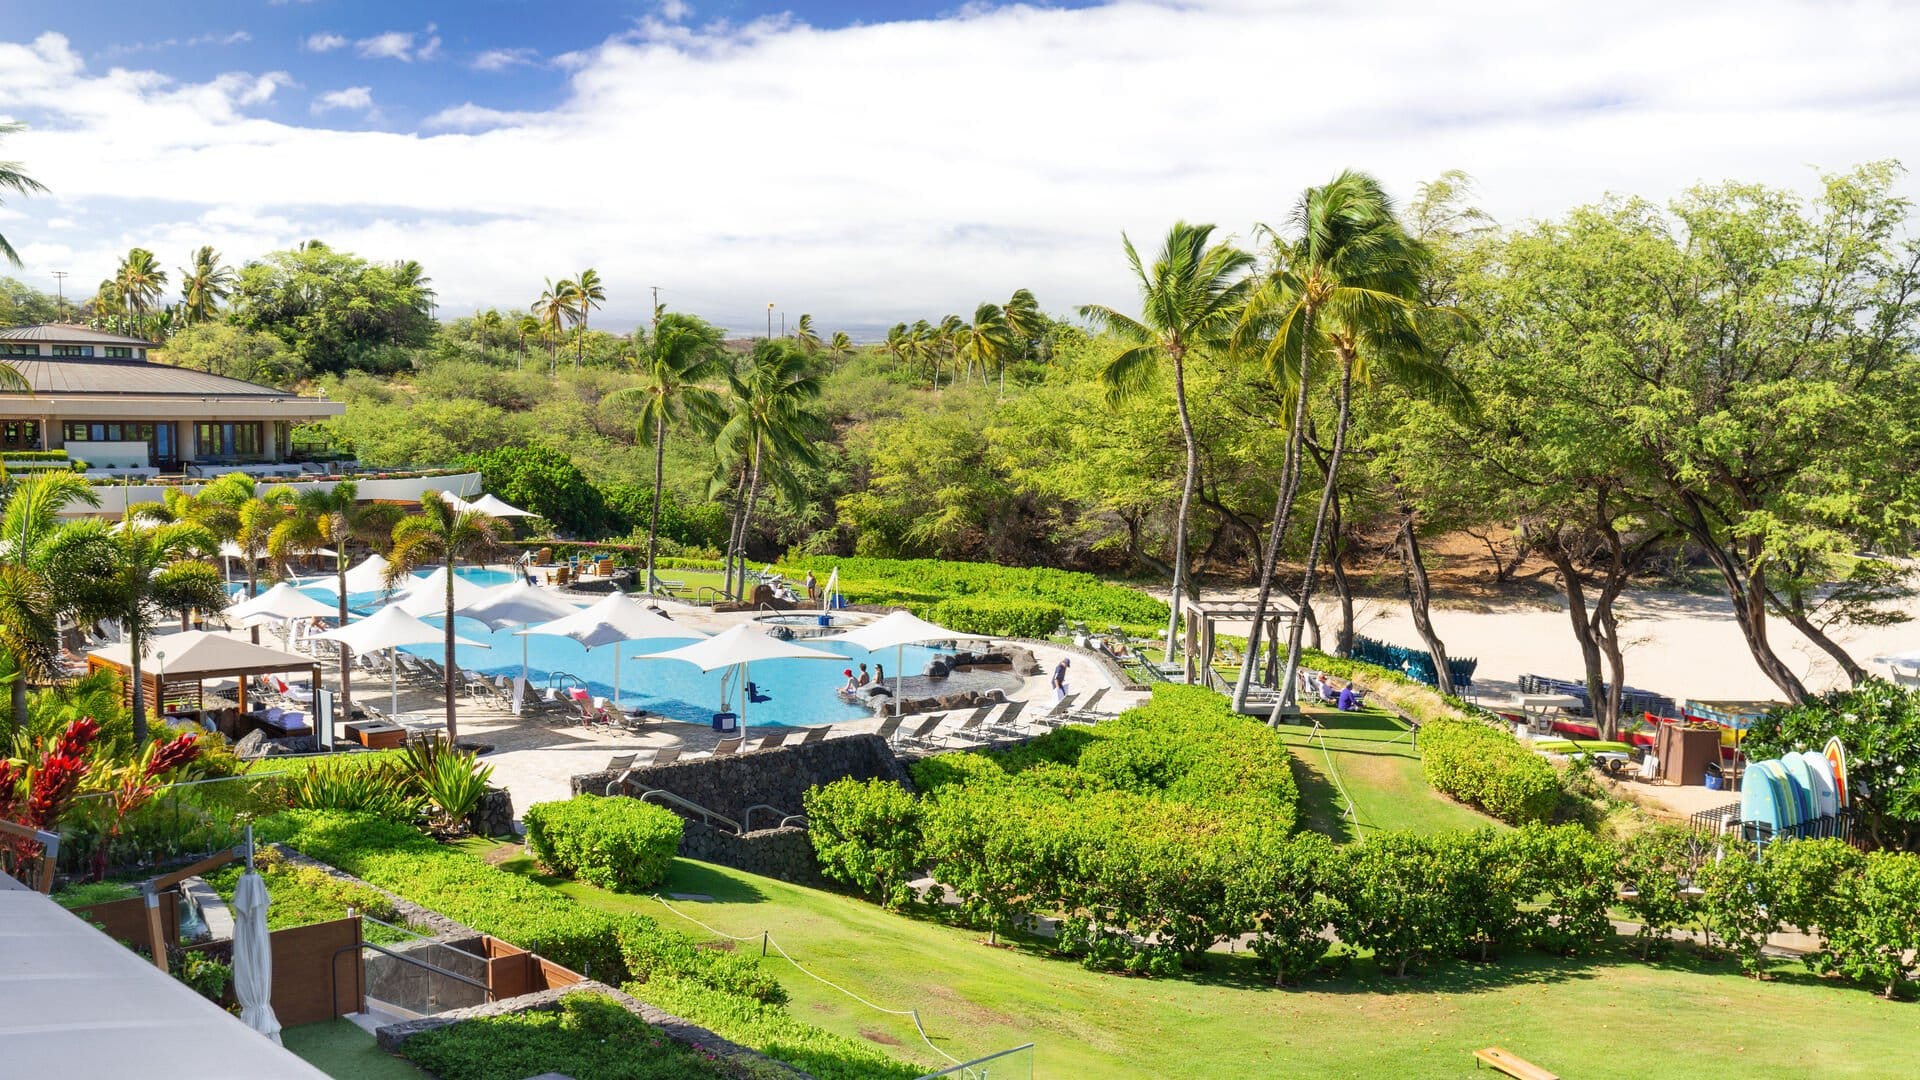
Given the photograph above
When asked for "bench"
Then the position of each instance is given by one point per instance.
(1513, 1065)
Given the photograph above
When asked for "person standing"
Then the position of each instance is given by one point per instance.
(813, 588)
(1060, 679)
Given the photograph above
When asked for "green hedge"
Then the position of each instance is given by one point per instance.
(866, 833)
(919, 583)
(621, 844)
(997, 617)
(589, 1035)
(1485, 766)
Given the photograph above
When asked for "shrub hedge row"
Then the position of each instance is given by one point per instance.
(621, 844)
(1485, 766)
(920, 583)
(589, 1035)
(997, 616)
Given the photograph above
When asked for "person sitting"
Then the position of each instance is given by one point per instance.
(865, 678)
(1349, 701)
(853, 684)
(1327, 692)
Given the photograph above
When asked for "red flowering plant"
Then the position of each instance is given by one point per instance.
(129, 787)
(37, 791)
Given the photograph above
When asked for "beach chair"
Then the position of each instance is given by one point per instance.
(665, 756)
(772, 741)
(1007, 724)
(1058, 715)
(923, 737)
(887, 728)
(1085, 710)
(813, 735)
(967, 733)
(728, 747)
(620, 763)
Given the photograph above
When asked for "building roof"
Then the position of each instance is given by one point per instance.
(71, 334)
(93, 375)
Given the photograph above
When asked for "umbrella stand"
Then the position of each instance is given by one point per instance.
(616, 680)
(393, 672)
(745, 696)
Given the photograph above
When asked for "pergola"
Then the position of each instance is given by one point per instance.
(1203, 633)
(176, 666)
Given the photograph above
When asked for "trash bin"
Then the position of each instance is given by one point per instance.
(1713, 779)
(826, 620)
(725, 721)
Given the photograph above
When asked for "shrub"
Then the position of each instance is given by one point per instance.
(867, 834)
(589, 1035)
(207, 976)
(1570, 872)
(997, 617)
(615, 843)
(89, 893)
(1653, 865)
(1388, 884)
(1486, 767)
(773, 1031)
(917, 583)
(1488, 874)
(1875, 943)
(1738, 904)
(1808, 880)
(378, 788)
(1283, 895)
(452, 780)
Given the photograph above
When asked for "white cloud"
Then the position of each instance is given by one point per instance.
(235, 37)
(325, 41)
(908, 169)
(352, 99)
(392, 45)
(502, 59)
(675, 10)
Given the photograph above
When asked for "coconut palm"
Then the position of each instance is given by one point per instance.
(204, 285)
(11, 176)
(556, 311)
(588, 293)
(1191, 297)
(29, 604)
(770, 421)
(1342, 294)
(331, 518)
(439, 533)
(685, 350)
(136, 575)
(528, 326)
(410, 277)
(1024, 320)
(805, 336)
(946, 343)
(988, 341)
(139, 282)
(840, 346)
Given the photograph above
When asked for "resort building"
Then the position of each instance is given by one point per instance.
(97, 396)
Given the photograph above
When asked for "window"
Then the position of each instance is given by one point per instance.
(19, 435)
(119, 352)
(73, 350)
(15, 348)
(229, 440)
(158, 437)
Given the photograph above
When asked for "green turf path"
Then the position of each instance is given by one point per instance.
(1376, 763)
(345, 1052)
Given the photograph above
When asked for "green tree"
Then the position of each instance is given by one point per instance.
(29, 603)
(805, 336)
(204, 285)
(224, 349)
(1024, 321)
(439, 533)
(139, 282)
(334, 310)
(840, 346)
(987, 341)
(555, 309)
(686, 351)
(770, 422)
(137, 575)
(1190, 299)
(332, 518)
(13, 176)
(542, 478)
(588, 293)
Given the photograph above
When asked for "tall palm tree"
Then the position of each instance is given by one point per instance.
(805, 336)
(488, 325)
(946, 342)
(770, 419)
(685, 350)
(898, 345)
(588, 293)
(1343, 294)
(29, 603)
(139, 282)
(528, 326)
(439, 533)
(555, 309)
(1191, 298)
(920, 346)
(12, 177)
(988, 340)
(204, 285)
(334, 518)
(840, 346)
(412, 278)
(1025, 320)
(136, 575)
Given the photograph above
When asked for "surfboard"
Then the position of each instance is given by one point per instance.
(1837, 756)
(1764, 798)
(1824, 795)
(1805, 795)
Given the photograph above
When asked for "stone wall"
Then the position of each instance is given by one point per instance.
(494, 817)
(779, 777)
(786, 854)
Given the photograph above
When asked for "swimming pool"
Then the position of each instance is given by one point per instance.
(320, 587)
(799, 691)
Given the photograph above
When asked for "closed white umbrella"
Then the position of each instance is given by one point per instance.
(616, 618)
(390, 628)
(739, 647)
(253, 954)
(898, 630)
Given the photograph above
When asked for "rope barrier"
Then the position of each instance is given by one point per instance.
(767, 940)
(1352, 813)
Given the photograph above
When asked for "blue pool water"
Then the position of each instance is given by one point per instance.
(320, 587)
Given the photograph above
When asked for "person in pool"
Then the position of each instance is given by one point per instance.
(865, 678)
(853, 684)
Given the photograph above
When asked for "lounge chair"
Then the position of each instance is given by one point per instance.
(1085, 710)
(1007, 724)
(887, 728)
(620, 763)
(922, 735)
(1058, 715)
(968, 732)
(726, 747)
(772, 741)
(813, 735)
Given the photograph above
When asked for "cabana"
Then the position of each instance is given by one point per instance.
(1202, 633)
(176, 667)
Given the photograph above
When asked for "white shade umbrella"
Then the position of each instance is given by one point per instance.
(616, 618)
(428, 595)
(283, 601)
(390, 628)
(253, 955)
(739, 647)
(368, 575)
(898, 630)
(494, 506)
(516, 604)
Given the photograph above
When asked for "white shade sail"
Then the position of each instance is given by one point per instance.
(616, 618)
(899, 628)
(369, 575)
(253, 956)
(390, 628)
(1905, 659)
(515, 604)
(744, 644)
(283, 601)
(494, 506)
(428, 595)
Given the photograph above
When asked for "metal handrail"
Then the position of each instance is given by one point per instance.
(707, 816)
(746, 816)
(962, 1069)
(700, 594)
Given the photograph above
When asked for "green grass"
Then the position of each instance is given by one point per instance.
(1597, 1018)
(345, 1052)
(1376, 763)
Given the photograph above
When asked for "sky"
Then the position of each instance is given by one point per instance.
(872, 162)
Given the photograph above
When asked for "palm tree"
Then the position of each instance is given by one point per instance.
(136, 575)
(1190, 299)
(411, 277)
(987, 340)
(770, 415)
(588, 293)
(685, 350)
(335, 519)
(920, 346)
(488, 325)
(805, 336)
(29, 604)
(528, 326)
(1025, 320)
(554, 310)
(946, 343)
(840, 346)
(12, 177)
(204, 285)
(898, 345)
(1343, 293)
(439, 533)
(139, 281)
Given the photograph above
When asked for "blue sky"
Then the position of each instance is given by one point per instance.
(874, 162)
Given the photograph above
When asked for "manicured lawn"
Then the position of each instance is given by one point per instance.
(1606, 1018)
(1377, 764)
(345, 1052)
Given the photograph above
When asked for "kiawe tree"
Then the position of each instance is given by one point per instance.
(1190, 299)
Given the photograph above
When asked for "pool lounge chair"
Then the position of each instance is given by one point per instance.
(967, 733)
(728, 747)
(814, 735)
(1007, 727)
(887, 728)
(1058, 715)
(1085, 710)
(920, 736)
(773, 741)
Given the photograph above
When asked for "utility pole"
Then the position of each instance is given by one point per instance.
(769, 320)
(60, 289)
(783, 324)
